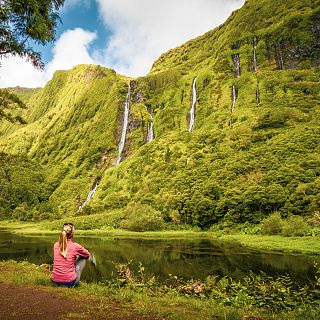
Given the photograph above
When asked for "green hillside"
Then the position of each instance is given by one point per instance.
(254, 148)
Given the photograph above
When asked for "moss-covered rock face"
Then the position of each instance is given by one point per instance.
(284, 35)
(73, 130)
(254, 147)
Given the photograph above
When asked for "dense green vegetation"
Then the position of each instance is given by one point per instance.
(254, 297)
(10, 102)
(24, 193)
(236, 166)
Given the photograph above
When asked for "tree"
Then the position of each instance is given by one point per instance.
(24, 20)
(21, 21)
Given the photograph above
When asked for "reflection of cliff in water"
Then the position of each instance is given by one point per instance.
(198, 259)
(34, 249)
(185, 258)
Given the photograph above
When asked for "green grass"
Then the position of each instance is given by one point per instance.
(169, 306)
(138, 298)
(307, 245)
(29, 228)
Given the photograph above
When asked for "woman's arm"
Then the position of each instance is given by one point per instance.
(83, 252)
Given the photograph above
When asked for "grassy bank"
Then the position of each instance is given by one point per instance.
(42, 228)
(300, 245)
(179, 301)
(306, 245)
(278, 243)
(138, 301)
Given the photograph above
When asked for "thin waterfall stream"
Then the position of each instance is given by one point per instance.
(234, 99)
(150, 135)
(124, 126)
(279, 56)
(193, 106)
(255, 42)
(90, 194)
(236, 62)
(120, 147)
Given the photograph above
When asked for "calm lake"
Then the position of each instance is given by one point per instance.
(184, 258)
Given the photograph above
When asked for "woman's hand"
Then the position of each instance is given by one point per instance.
(92, 260)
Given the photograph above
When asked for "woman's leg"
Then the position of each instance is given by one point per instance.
(80, 263)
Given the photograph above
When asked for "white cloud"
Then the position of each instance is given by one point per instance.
(70, 50)
(143, 29)
(15, 71)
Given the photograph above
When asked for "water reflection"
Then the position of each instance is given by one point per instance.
(185, 258)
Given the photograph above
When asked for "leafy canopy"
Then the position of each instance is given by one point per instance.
(21, 21)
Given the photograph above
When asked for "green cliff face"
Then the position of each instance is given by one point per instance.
(254, 148)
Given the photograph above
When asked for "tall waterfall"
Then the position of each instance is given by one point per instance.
(234, 97)
(236, 62)
(124, 126)
(255, 42)
(150, 135)
(193, 107)
(120, 148)
(90, 194)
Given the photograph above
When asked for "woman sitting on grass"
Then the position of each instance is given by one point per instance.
(69, 258)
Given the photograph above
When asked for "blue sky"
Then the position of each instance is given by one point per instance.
(85, 15)
(125, 35)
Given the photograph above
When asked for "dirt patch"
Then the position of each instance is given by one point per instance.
(28, 303)
(17, 302)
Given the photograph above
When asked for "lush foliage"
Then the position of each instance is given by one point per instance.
(138, 217)
(257, 291)
(24, 20)
(23, 193)
(238, 165)
(293, 226)
(272, 225)
(10, 102)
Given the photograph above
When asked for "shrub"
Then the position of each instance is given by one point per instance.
(175, 216)
(272, 224)
(89, 222)
(141, 217)
(294, 226)
(270, 119)
(22, 213)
